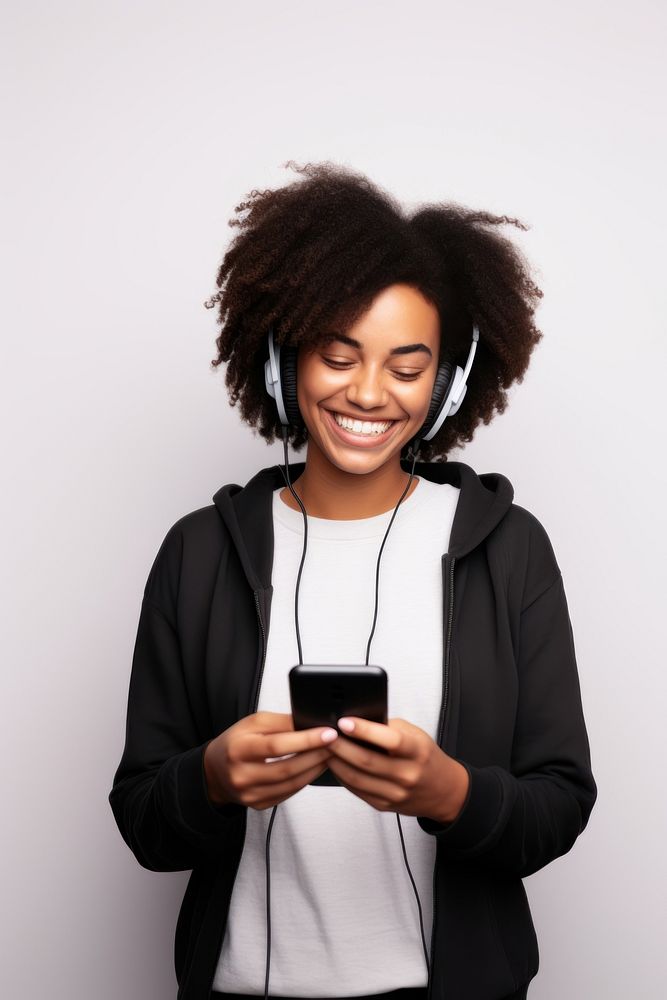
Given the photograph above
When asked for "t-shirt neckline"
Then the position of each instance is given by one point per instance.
(325, 527)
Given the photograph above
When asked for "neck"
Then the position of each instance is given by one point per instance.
(332, 493)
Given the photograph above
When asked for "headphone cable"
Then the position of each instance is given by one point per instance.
(285, 472)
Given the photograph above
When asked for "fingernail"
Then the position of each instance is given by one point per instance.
(347, 725)
(328, 735)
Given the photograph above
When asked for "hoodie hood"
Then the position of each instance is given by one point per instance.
(248, 515)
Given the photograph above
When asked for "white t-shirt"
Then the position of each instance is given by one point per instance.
(344, 918)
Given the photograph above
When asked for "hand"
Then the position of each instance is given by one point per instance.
(417, 778)
(239, 767)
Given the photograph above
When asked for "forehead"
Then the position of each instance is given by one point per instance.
(399, 320)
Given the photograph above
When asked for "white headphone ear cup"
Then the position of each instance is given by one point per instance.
(267, 379)
(457, 390)
(272, 379)
(454, 407)
(446, 407)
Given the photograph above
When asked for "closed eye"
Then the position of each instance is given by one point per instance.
(342, 365)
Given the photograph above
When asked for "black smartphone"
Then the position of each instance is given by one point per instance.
(320, 693)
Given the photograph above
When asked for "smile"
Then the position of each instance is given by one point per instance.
(370, 438)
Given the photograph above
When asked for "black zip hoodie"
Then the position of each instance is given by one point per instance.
(511, 713)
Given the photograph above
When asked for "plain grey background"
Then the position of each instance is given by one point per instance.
(131, 131)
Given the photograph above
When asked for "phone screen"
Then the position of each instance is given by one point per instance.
(321, 693)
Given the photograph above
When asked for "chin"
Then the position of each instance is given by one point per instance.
(360, 462)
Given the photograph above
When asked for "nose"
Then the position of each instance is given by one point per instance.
(366, 388)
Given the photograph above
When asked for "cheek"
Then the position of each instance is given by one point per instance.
(415, 397)
(315, 383)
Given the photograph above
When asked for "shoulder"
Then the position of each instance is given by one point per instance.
(192, 544)
(201, 527)
(523, 544)
(522, 525)
(203, 524)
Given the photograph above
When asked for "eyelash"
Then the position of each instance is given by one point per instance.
(340, 366)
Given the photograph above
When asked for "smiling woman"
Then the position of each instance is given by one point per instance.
(343, 321)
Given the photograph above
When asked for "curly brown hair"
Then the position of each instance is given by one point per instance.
(312, 256)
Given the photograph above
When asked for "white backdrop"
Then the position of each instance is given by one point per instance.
(131, 131)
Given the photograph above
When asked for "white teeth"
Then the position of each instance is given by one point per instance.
(362, 427)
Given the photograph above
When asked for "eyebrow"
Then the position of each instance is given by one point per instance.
(405, 349)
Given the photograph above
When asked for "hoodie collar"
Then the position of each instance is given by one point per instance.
(247, 511)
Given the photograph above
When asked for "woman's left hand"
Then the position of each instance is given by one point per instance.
(416, 778)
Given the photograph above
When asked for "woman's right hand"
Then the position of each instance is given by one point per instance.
(237, 770)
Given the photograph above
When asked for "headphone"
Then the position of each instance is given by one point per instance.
(449, 390)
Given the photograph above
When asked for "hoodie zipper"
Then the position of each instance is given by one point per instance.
(261, 669)
(443, 708)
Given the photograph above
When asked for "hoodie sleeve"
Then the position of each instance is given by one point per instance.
(519, 820)
(159, 796)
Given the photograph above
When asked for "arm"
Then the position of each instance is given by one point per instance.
(521, 819)
(159, 797)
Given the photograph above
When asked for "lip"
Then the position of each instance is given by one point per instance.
(355, 439)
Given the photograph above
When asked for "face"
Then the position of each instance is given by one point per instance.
(382, 369)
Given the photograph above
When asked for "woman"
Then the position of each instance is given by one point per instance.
(342, 322)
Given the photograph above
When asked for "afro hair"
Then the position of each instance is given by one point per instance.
(311, 257)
